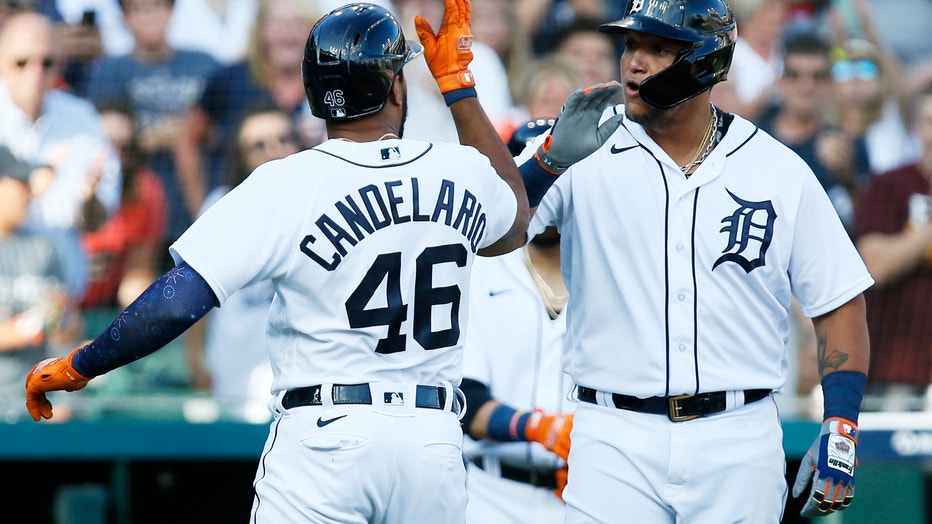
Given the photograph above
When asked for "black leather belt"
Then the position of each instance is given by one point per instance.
(430, 397)
(541, 478)
(678, 408)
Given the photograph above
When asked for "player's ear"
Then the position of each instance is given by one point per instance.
(399, 90)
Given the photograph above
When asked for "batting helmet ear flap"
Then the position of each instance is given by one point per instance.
(672, 86)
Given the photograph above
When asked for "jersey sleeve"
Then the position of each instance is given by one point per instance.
(498, 193)
(825, 269)
(242, 238)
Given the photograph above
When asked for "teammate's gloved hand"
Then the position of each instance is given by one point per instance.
(449, 51)
(52, 374)
(577, 133)
(830, 464)
(553, 431)
(561, 475)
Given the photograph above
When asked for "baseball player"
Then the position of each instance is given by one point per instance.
(685, 233)
(512, 371)
(520, 416)
(368, 239)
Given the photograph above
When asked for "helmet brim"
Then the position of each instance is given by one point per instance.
(643, 24)
(415, 50)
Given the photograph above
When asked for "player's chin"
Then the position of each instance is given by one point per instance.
(636, 110)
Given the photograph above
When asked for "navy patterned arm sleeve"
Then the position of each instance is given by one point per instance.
(171, 305)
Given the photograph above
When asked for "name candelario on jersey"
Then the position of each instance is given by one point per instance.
(374, 207)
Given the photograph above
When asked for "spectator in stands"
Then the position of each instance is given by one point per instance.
(799, 121)
(429, 119)
(242, 383)
(49, 126)
(82, 40)
(894, 237)
(593, 53)
(272, 73)
(755, 67)
(873, 101)
(35, 316)
(550, 17)
(46, 7)
(219, 28)
(540, 92)
(496, 24)
(903, 26)
(158, 83)
(872, 104)
(123, 251)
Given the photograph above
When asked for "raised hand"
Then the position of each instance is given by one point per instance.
(577, 133)
(449, 51)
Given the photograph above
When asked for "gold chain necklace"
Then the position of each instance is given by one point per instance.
(552, 301)
(704, 147)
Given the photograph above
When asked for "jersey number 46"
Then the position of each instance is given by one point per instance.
(387, 267)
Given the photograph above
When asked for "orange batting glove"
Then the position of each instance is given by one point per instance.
(52, 374)
(449, 51)
(561, 474)
(553, 431)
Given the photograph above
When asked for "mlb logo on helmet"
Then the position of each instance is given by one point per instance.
(337, 112)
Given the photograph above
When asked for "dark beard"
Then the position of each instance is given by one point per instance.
(653, 118)
(404, 115)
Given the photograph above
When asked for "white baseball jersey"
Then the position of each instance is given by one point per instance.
(369, 246)
(683, 285)
(515, 348)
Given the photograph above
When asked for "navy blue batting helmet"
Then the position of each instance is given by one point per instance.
(352, 57)
(526, 132)
(707, 27)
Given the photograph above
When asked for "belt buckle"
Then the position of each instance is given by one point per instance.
(674, 409)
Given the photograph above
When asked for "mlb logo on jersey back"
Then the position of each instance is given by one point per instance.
(391, 153)
(394, 397)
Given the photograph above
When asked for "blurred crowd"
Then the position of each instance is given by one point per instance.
(122, 121)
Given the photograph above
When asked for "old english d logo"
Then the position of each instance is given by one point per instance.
(750, 229)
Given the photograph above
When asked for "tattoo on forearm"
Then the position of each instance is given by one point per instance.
(833, 360)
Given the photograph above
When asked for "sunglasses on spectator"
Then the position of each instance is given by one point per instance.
(793, 74)
(261, 144)
(46, 62)
(846, 70)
